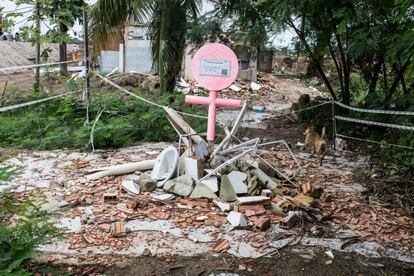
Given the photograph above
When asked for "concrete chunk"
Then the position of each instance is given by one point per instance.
(236, 219)
(194, 167)
(227, 192)
(203, 191)
(212, 183)
(237, 181)
(146, 183)
(181, 186)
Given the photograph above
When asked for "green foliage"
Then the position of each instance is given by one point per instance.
(60, 14)
(61, 123)
(23, 227)
(234, 23)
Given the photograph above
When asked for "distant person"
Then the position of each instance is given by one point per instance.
(17, 37)
(75, 53)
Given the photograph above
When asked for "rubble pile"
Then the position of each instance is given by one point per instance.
(325, 203)
(236, 198)
(268, 93)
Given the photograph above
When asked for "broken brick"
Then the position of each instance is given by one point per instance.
(118, 229)
(132, 203)
(302, 199)
(262, 223)
(221, 246)
(195, 202)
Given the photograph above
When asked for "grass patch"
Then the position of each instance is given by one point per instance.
(60, 123)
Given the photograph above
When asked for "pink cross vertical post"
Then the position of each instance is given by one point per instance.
(214, 67)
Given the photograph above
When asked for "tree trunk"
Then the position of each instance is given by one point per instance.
(312, 70)
(374, 79)
(63, 50)
(346, 97)
(398, 77)
(337, 65)
(318, 65)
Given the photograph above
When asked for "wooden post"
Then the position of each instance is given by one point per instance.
(39, 32)
(4, 93)
(88, 85)
(333, 124)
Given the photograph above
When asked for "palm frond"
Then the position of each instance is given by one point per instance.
(107, 18)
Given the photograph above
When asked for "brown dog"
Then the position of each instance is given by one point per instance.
(317, 141)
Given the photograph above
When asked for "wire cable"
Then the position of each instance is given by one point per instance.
(146, 100)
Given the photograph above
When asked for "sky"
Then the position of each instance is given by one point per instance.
(280, 40)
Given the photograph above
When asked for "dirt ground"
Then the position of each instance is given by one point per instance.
(278, 128)
(296, 260)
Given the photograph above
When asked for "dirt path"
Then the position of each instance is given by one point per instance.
(290, 261)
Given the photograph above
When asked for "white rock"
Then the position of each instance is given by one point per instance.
(212, 183)
(255, 86)
(236, 219)
(201, 218)
(235, 87)
(224, 206)
(237, 181)
(330, 254)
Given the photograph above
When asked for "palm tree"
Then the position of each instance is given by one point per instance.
(168, 21)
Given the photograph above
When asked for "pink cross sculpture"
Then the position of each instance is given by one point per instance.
(214, 67)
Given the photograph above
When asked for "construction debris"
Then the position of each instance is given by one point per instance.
(236, 219)
(130, 187)
(221, 246)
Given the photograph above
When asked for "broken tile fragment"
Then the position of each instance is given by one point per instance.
(224, 206)
(130, 187)
(252, 199)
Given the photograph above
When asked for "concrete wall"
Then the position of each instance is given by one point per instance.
(134, 55)
(109, 61)
(137, 49)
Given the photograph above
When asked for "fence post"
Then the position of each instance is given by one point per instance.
(88, 88)
(333, 124)
(39, 34)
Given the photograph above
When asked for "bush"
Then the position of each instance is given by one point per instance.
(61, 123)
(23, 227)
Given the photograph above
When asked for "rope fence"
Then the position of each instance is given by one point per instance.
(369, 123)
(16, 106)
(372, 123)
(30, 66)
(392, 112)
(146, 100)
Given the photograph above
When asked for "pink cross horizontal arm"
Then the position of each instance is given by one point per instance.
(214, 67)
